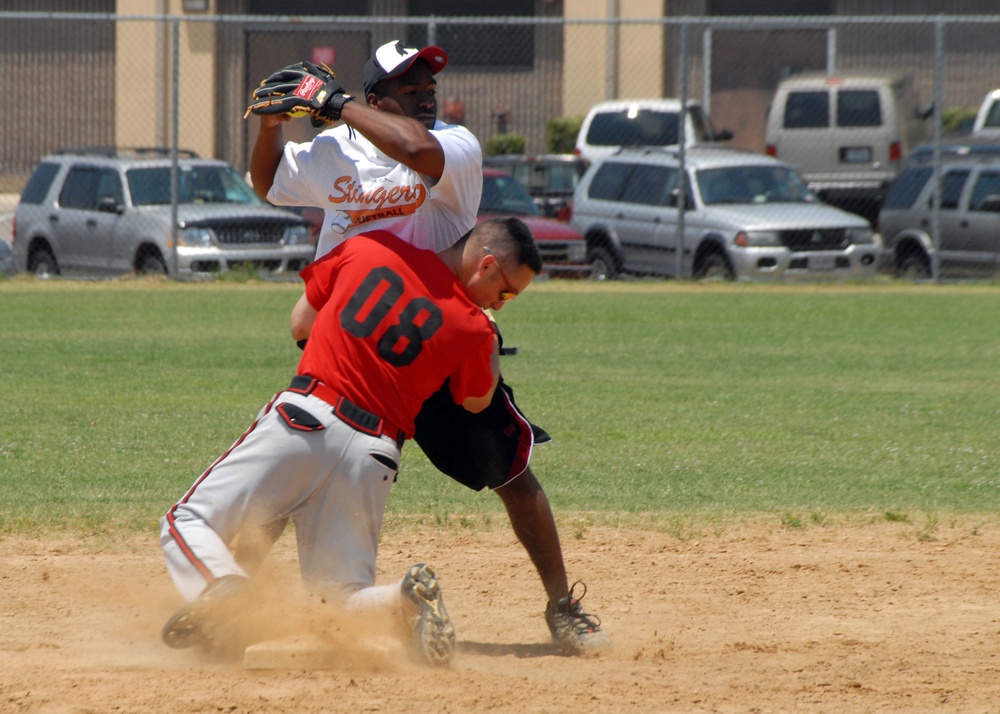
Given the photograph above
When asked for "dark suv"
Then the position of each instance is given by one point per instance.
(101, 212)
(969, 221)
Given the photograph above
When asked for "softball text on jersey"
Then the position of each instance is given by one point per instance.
(375, 203)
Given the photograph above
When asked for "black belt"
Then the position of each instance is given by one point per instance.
(347, 411)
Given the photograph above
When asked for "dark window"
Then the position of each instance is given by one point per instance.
(561, 178)
(791, 8)
(993, 115)
(110, 186)
(503, 194)
(608, 181)
(907, 187)
(807, 110)
(80, 189)
(650, 185)
(195, 184)
(478, 45)
(951, 188)
(149, 187)
(38, 185)
(622, 128)
(858, 107)
(986, 186)
(308, 7)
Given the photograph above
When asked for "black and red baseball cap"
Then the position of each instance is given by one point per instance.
(393, 58)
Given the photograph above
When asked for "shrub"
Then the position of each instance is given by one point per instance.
(499, 144)
(561, 134)
(958, 120)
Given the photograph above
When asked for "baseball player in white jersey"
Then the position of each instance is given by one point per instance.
(392, 165)
(426, 195)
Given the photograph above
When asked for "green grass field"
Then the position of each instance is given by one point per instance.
(666, 401)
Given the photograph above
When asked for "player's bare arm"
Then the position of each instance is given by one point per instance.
(405, 139)
(266, 154)
(302, 319)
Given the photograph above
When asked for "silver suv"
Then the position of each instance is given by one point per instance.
(747, 217)
(969, 221)
(98, 212)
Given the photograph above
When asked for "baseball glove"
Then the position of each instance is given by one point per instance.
(299, 90)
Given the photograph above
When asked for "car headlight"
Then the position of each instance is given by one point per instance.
(196, 237)
(861, 236)
(748, 239)
(297, 235)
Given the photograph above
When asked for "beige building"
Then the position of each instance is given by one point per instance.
(111, 66)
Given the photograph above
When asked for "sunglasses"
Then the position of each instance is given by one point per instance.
(505, 295)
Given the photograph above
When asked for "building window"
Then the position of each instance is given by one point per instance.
(769, 7)
(501, 47)
(308, 7)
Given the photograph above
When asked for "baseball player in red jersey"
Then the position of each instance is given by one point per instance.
(426, 178)
(387, 324)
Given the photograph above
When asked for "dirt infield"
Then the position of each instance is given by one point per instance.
(750, 618)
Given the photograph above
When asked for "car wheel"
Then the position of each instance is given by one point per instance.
(914, 266)
(714, 266)
(151, 264)
(602, 265)
(42, 264)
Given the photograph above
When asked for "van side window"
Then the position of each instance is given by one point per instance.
(986, 186)
(109, 185)
(80, 189)
(608, 181)
(993, 116)
(907, 187)
(951, 188)
(38, 185)
(650, 185)
(858, 107)
(807, 110)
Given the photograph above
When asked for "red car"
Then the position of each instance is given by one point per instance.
(563, 249)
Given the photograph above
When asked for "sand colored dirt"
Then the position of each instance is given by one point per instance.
(746, 618)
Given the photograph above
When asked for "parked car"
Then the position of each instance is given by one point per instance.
(609, 126)
(747, 217)
(969, 221)
(8, 266)
(562, 248)
(847, 134)
(987, 122)
(964, 147)
(550, 179)
(98, 212)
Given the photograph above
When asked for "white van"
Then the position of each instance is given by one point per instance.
(609, 126)
(848, 135)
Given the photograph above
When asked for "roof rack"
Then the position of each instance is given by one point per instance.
(121, 151)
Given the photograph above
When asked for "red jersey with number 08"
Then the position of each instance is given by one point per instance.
(393, 324)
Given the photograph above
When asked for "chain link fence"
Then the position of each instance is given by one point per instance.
(521, 84)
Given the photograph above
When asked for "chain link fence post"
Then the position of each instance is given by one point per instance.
(174, 133)
(682, 154)
(938, 113)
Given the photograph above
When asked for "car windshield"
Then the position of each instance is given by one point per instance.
(635, 127)
(751, 184)
(502, 194)
(563, 178)
(196, 184)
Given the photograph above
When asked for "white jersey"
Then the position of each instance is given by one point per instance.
(362, 189)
